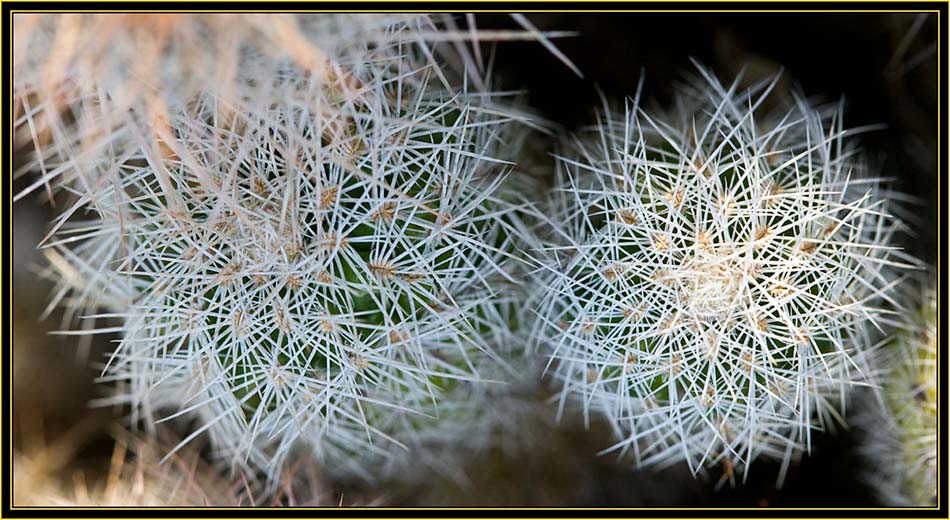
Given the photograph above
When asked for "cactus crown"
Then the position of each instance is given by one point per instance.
(715, 271)
(300, 262)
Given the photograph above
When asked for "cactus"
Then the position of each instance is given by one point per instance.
(311, 264)
(714, 274)
(900, 425)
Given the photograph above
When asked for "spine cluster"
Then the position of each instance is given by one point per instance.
(714, 274)
(313, 262)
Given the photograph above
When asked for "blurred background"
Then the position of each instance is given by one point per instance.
(883, 65)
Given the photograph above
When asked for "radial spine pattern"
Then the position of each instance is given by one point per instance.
(313, 261)
(714, 274)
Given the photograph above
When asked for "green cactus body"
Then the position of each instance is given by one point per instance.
(900, 438)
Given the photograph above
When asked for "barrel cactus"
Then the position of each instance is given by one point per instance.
(313, 263)
(714, 274)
